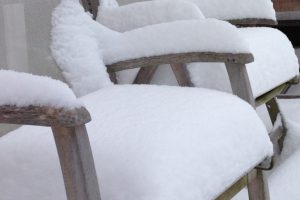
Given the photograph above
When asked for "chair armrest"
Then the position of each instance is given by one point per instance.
(34, 100)
(136, 15)
(238, 58)
(253, 22)
(44, 116)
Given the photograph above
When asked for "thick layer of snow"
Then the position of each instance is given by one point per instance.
(184, 36)
(78, 42)
(22, 89)
(275, 63)
(169, 143)
(75, 48)
(284, 179)
(108, 4)
(136, 15)
(236, 9)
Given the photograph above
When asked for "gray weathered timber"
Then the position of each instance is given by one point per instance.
(77, 163)
(182, 74)
(273, 109)
(145, 75)
(240, 83)
(242, 58)
(113, 77)
(43, 116)
(91, 6)
(288, 96)
(253, 22)
(270, 95)
(258, 187)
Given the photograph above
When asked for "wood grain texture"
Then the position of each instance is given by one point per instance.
(77, 163)
(269, 95)
(258, 187)
(91, 6)
(113, 77)
(253, 22)
(242, 58)
(43, 116)
(240, 83)
(182, 74)
(145, 75)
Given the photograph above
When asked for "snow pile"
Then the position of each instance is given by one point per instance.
(149, 142)
(284, 179)
(236, 9)
(22, 89)
(184, 36)
(141, 14)
(275, 63)
(76, 50)
(108, 4)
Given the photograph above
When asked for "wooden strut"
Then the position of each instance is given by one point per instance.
(71, 138)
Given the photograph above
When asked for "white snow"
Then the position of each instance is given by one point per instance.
(149, 142)
(178, 37)
(75, 48)
(275, 63)
(23, 89)
(236, 9)
(140, 14)
(108, 4)
(78, 43)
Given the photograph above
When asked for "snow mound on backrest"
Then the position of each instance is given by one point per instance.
(76, 49)
(22, 89)
(136, 15)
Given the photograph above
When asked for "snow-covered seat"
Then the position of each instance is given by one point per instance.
(149, 142)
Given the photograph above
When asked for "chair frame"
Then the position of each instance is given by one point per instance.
(236, 68)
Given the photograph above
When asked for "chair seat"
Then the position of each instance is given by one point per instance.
(149, 142)
(274, 63)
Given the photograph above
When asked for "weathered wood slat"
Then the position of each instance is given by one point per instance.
(182, 75)
(91, 6)
(77, 163)
(113, 77)
(43, 116)
(287, 96)
(240, 83)
(269, 95)
(258, 187)
(145, 75)
(242, 58)
(252, 22)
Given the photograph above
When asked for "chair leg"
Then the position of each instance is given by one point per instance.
(77, 163)
(145, 75)
(273, 109)
(182, 75)
(239, 81)
(258, 188)
(279, 135)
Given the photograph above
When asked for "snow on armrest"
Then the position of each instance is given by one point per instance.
(186, 36)
(36, 100)
(141, 14)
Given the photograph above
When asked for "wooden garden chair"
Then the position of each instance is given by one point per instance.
(73, 26)
(242, 15)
